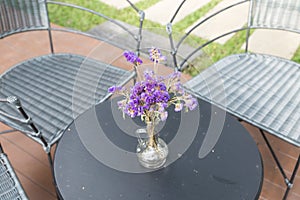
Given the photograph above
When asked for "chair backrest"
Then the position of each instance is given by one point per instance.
(10, 186)
(263, 14)
(19, 16)
(27, 15)
(276, 14)
(180, 63)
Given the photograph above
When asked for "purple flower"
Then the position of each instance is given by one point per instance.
(178, 107)
(149, 75)
(155, 55)
(114, 89)
(131, 110)
(132, 57)
(191, 102)
(150, 97)
(177, 88)
(121, 103)
(162, 86)
(161, 107)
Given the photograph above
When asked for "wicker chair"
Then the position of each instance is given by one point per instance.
(10, 186)
(263, 90)
(41, 96)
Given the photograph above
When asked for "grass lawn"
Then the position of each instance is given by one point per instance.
(84, 22)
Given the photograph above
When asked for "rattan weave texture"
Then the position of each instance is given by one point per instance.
(260, 89)
(55, 89)
(20, 15)
(10, 187)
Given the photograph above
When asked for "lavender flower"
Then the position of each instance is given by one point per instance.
(155, 55)
(150, 97)
(178, 107)
(190, 102)
(114, 89)
(132, 57)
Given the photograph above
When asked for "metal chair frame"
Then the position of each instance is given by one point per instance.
(251, 25)
(20, 120)
(10, 185)
(176, 46)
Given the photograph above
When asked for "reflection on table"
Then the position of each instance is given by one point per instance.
(95, 159)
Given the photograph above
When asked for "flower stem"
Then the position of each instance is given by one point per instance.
(151, 132)
(155, 67)
(138, 78)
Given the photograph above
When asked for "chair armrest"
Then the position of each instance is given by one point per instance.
(13, 100)
(16, 102)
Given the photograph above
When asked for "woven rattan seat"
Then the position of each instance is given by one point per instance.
(55, 89)
(41, 96)
(10, 186)
(257, 89)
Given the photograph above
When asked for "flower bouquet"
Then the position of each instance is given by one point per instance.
(149, 99)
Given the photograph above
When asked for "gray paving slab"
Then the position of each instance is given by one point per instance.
(274, 42)
(163, 11)
(119, 4)
(231, 19)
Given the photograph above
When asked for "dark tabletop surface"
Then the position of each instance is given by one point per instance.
(95, 158)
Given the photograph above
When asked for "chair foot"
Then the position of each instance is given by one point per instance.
(290, 182)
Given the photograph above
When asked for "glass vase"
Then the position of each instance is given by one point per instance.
(151, 150)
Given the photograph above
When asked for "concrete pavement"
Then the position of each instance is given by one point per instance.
(278, 43)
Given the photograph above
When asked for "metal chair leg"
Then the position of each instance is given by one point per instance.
(52, 173)
(274, 155)
(290, 185)
(288, 182)
(50, 160)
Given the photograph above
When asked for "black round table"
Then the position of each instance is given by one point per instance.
(211, 157)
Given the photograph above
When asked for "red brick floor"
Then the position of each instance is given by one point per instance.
(30, 161)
